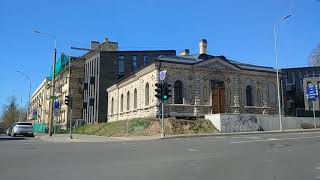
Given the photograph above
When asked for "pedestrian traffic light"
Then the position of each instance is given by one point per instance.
(159, 91)
(67, 100)
(166, 91)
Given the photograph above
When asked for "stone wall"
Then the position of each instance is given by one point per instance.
(229, 123)
(126, 91)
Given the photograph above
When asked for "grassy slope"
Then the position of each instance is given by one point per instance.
(146, 127)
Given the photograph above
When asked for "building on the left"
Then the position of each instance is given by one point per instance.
(39, 106)
(69, 75)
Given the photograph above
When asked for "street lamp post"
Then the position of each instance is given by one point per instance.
(277, 69)
(30, 82)
(52, 80)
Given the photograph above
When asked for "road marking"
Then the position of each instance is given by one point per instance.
(220, 137)
(274, 139)
(278, 145)
(318, 168)
(253, 137)
(193, 150)
(318, 177)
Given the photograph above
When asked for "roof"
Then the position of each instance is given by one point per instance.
(301, 68)
(197, 58)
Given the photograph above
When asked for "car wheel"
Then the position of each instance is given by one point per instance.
(13, 134)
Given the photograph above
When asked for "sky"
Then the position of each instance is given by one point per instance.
(241, 30)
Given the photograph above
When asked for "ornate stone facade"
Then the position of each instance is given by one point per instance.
(210, 84)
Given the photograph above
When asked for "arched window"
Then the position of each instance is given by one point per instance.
(249, 96)
(121, 103)
(146, 98)
(135, 99)
(112, 105)
(178, 92)
(128, 101)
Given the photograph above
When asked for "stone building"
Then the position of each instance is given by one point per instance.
(201, 84)
(40, 103)
(104, 65)
(69, 78)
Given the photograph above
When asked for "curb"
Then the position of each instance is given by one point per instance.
(238, 133)
(47, 138)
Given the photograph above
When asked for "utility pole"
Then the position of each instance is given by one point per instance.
(52, 88)
(277, 70)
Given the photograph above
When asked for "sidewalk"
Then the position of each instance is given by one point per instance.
(92, 138)
(241, 133)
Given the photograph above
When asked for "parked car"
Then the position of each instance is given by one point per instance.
(22, 128)
(9, 129)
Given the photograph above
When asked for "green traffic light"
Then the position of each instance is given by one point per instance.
(165, 97)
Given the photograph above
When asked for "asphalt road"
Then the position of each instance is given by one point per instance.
(265, 157)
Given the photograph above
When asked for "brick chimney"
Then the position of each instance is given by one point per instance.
(203, 46)
(94, 45)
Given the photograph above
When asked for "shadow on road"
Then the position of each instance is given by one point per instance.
(11, 138)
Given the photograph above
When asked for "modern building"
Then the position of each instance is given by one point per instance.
(201, 84)
(310, 81)
(68, 82)
(294, 90)
(104, 65)
(40, 103)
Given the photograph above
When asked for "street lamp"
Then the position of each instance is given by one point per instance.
(52, 80)
(30, 82)
(277, 69)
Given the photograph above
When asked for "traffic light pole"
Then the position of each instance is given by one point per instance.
(314, 115)
(70, 125)
(162, 115)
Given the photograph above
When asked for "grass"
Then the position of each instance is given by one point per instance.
(146, 127)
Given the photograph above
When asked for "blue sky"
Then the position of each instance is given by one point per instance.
(241, 30)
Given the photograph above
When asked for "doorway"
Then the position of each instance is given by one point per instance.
(218, 99)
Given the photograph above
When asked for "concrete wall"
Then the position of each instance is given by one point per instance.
(252, 122)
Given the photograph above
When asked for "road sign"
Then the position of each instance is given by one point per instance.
(312, 92)
(163, 75)
(56, 105)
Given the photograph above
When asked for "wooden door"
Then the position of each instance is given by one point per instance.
(218, 101)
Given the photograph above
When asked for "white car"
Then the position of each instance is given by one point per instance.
(22, 128)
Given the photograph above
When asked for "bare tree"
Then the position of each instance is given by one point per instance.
(10, 112)
(314, 59)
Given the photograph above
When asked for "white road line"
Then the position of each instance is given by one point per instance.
(193, 150)
(278, 145)
(318, 168)
(273, 139)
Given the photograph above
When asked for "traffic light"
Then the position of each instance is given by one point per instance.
(159, 91)
(166, 91)
(67, 100)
